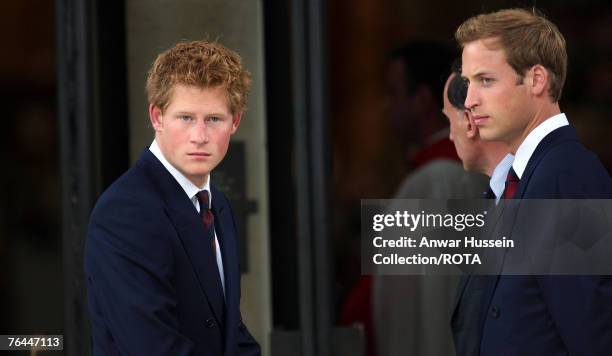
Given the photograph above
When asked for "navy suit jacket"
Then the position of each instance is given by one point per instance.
(542, 315)
(152, 279)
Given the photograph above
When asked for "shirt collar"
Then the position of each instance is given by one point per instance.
(497, 182)
(190, 189)
(526, 149)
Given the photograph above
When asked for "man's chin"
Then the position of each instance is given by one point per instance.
(488, 135)
(199, 173)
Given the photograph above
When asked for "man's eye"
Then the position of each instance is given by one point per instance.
(486, 81)
(214, 119)
(185, 118)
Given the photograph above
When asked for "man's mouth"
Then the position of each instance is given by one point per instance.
(199, 154)
(480, 119)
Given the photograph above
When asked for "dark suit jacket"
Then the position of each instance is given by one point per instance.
(542, 315)
(153, 285)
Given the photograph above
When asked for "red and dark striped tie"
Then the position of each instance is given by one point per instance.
(512, 183)
(207, 217)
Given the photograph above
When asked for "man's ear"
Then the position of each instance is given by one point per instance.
(539, 80)
(236, 121)
(156, 117)
(472, 129)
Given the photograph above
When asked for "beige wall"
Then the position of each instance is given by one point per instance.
(153, 26)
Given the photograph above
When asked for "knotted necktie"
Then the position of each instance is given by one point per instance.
(207, 218)
(512, 183)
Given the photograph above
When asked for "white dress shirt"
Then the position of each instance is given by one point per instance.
(497, 183)
(526, 149)
(191, 190)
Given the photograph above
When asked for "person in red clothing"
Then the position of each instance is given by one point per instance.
(400, 314)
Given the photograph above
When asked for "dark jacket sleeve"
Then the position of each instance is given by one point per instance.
(580, 305)
(247, 345)
(128, 265)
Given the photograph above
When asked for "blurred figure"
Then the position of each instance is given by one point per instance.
(412, 313)
(415, 77)
(32, 240)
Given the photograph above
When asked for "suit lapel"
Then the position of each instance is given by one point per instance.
(503, 226)
(490, 282)
(190, 229)
(224, 226)
(191, 232)
(556, 136)
(492, 222)
(564, 133)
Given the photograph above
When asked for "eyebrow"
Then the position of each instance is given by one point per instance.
(478, 75)
(207, 115)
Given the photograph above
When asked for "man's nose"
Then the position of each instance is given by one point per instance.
(199, 132)
(471, 99)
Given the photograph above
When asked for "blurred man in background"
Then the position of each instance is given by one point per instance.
(412, 313)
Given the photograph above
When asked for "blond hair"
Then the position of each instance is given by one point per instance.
(527, 38)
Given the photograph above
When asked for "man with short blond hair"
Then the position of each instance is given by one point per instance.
(161, 256)
(515, 63)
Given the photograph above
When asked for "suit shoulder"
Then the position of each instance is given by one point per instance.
(573, 171)
(570, 156)
(131, 191)
(130, 216)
